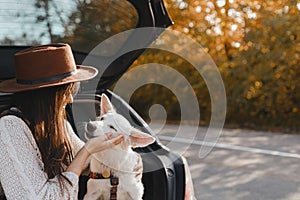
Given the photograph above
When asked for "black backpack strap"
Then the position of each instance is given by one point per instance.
(16, 112)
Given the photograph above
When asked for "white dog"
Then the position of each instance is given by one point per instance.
(118, 161)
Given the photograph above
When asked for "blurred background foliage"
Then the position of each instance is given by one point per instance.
(255, 44)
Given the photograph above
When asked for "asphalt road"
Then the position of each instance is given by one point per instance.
(242, 165)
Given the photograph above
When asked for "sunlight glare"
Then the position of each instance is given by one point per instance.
(182, 5)
(221, 3)
(234, 27)
(198, 9)
(217, 30)
(236, 44)
(210, 5)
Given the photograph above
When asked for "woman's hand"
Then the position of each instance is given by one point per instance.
(93, 145)
(138, 169)
(101, 143)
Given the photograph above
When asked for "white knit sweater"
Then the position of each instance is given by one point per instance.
(21, 166)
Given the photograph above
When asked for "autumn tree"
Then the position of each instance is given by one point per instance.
(256, 46)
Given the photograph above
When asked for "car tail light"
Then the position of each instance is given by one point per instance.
(189, 187)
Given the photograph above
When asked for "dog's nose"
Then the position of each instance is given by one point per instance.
(90, 127)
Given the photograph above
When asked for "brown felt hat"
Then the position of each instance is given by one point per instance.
(46, 66)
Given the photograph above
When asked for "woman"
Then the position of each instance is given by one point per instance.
(40, 156)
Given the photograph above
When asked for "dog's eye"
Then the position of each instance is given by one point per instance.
(101, 118)
(111, 126)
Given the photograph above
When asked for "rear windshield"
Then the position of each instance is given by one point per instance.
(81, 23)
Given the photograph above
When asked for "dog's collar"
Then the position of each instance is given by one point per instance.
(96, 175)
(114, 182)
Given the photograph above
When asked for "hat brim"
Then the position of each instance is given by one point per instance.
(83, 73)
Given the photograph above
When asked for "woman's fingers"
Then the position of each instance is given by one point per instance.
(138, 169)
(117, 140)
(108, 135)
(103, 142)
(139, 172)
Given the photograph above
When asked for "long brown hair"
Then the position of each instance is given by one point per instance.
(44, 109)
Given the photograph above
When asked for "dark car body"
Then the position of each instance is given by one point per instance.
(162, 180)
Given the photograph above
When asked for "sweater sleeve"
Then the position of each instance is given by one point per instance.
(21, 167)
(76, 143)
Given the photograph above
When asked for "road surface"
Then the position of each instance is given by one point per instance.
(242, 165)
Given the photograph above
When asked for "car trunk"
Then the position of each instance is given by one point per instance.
(150, 14)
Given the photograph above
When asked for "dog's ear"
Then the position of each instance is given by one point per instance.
(106, 105)
(140, 139)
